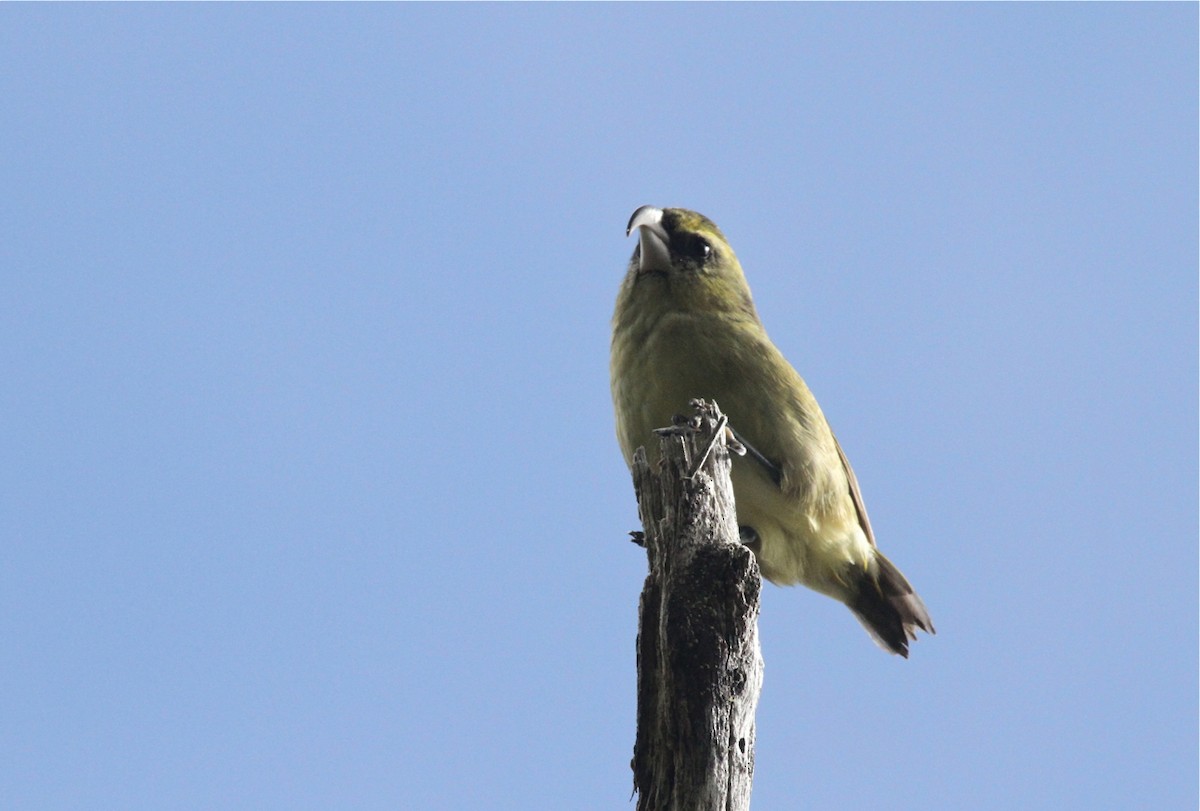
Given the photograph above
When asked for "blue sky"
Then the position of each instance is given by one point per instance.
(310, 495)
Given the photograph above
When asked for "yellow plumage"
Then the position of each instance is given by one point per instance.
(685, 326)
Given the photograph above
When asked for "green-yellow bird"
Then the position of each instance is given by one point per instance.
(685, 327)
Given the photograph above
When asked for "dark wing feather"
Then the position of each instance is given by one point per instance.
(855, 494)
(770, 467)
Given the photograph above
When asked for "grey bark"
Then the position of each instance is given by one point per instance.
(699, 663)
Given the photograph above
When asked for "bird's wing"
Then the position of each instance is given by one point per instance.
(855, 494)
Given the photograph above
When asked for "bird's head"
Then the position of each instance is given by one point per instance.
(683, 263)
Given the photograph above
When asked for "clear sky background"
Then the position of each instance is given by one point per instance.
(310, 494)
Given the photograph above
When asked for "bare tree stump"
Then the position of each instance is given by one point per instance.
(699, 663)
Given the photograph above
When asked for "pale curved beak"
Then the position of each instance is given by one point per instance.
(653, 254)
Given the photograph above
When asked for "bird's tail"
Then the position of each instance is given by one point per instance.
(889, 608)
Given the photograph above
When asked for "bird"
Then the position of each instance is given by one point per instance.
(685, 327)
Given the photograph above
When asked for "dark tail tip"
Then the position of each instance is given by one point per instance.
(889, 608)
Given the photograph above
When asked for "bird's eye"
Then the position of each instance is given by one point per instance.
(697, 248)
(692, 247)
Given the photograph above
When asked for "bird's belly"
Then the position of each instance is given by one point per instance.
(811, 541)
(665, 391)
(797, 544)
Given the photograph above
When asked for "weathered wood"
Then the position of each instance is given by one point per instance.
(699, 663)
